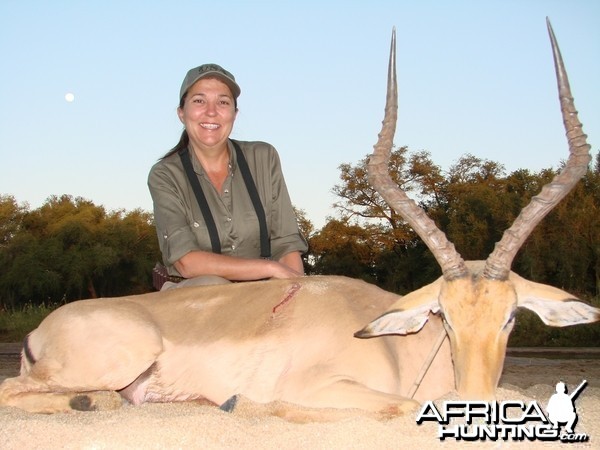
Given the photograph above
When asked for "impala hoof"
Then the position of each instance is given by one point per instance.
(230, 404)
(96, 401)
(82, 403)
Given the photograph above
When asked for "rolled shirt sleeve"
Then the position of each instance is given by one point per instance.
(172, 214)
(285, 234)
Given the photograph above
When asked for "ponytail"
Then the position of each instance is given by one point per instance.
(184, 140)
(183, 143)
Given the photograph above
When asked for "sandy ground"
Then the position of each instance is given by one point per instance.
(528, 375)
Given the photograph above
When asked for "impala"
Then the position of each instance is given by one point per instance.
(296, 341)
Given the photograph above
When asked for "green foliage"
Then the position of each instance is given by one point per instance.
(70, 249)
(473, 204)
(15, 324)
(342, 249)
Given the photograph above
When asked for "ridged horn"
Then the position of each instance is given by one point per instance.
(500, 260)
(450, 261)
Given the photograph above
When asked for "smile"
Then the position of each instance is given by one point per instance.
(210, 126)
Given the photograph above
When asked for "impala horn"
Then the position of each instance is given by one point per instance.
(498, 264)
(450, 261)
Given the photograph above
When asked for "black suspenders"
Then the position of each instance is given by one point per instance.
(265, 242)
(215, 242)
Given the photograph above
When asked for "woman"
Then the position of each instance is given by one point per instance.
(232, 249)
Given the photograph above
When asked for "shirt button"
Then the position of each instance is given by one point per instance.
(196, 224)
(233, 247)
(229, 219)
(226, 191)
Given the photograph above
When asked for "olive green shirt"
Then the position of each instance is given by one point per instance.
(179, 223)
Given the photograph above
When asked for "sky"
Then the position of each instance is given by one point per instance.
(474, 77)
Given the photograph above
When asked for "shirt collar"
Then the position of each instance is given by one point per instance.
(232, 160)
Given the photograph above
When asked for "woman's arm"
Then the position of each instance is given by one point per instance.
(197, 263)
(293, 260)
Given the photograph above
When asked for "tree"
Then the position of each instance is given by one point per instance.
(473, 205)
(11, 215)
(414, 173)
(304, 224)
(306, 229)
(341, 248)
(392, 244)
(132, 234)
(564, 249)
(70, 248)
(476, 207)
(77, 227)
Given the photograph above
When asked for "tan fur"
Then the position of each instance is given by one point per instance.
(289, 341)
(479, 316)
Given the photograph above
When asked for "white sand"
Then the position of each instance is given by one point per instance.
(188, 426)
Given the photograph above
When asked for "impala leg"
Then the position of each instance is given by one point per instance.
(244, 407)
(334, 402)
(25, 393)
(352, 395)
(80, 355)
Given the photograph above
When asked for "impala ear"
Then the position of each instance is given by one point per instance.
(400, 321)
(561, 313)
(556, 308)
(407, 315)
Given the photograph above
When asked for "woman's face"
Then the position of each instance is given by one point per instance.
(208, 114)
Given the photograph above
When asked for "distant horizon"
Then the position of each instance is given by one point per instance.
(90, 96)
(595, 155)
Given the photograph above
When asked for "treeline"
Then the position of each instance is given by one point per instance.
(70, 248)
(473, 203)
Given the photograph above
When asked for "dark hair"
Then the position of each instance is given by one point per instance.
(184, 140)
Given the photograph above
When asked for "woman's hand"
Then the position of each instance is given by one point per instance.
(282, 271)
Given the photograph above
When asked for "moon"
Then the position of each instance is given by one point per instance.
(69, 97)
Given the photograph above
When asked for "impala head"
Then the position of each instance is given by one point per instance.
(478, 300)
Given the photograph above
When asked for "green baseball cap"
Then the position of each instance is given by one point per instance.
(209, 70)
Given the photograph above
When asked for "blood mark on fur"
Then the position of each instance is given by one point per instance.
(288, 296)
